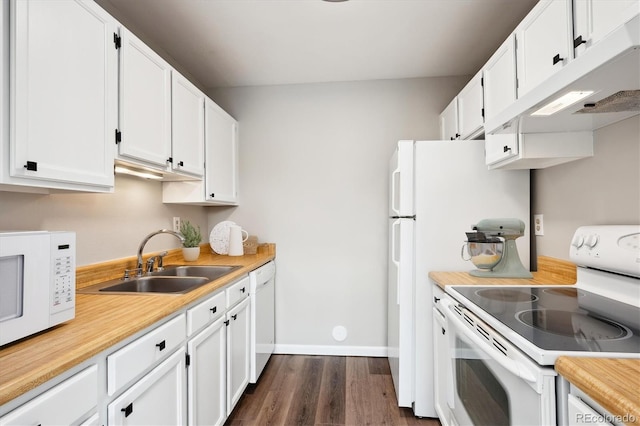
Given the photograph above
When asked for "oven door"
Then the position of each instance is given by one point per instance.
(493, 383)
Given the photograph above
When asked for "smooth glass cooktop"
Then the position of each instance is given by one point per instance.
(561, 318)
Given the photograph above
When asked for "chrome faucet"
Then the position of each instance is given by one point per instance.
(144, 242)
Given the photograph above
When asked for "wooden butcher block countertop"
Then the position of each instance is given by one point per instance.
(103, 320)
(613, 383)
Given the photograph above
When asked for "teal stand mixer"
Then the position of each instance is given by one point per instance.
(492, 249)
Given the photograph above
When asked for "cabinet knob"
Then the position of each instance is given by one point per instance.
(578, 41)
(444, 331)
(226, 323)
(212, 195)
(170, 160)
(242, 290)
(127, 410)
(161, 345)
(32, 166)
(457, 135)
(214, 309)
(506, 148)
(235, 317)
(436, 299)
(557, 59)
(181, 163)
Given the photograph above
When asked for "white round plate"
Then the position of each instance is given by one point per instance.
(219, 237)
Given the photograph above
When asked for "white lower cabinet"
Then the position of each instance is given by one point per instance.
(207, 375)
(238, 351)
(158, 398)
(74, 401)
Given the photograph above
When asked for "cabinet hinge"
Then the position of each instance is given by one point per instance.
(117, 40)
(187, 359)
(118, 136)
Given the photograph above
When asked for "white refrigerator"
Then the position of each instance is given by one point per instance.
(438, 190)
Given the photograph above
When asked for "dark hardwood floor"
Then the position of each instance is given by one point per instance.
(323, 390)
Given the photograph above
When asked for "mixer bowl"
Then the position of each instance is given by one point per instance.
(483, 255)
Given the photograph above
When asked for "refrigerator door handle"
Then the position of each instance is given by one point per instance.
(394, 175)
(394, 258)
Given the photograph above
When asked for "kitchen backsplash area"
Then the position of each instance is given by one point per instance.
(107, 226)
(601, 190)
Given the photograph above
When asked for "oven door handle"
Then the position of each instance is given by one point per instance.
(509, 364)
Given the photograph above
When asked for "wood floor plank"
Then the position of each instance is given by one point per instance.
(331, 402)
(302, 410)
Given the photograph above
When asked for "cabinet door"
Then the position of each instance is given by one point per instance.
(543, 43)
(238, 351)
(500, 79)
(156, 399)
(471, 108)
(145, 104)
(207, 377)
(187, 128)
(64, 81)
(449, 121)
(221, 150)
(499, 147)
(594, 19)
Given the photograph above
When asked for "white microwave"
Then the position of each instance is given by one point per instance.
(37, 282)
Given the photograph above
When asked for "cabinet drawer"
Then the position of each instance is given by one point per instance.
(237, 291)
(67, 403)
(137, 356)
(205, 312)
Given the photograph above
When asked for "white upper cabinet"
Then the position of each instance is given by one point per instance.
(449, 121)
(145, 104)
(63, 103)
(543, 43)
(463, 118)
(500, 79)
(471, 108)
(594, 19)
(221, 133)
(187, 118)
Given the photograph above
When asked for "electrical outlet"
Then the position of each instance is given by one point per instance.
(176, 224)
(538, 224)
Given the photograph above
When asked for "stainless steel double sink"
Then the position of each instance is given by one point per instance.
(171, 280)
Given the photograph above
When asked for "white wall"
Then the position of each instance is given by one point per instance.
(313, 181)
(107, 226)
(601, 190)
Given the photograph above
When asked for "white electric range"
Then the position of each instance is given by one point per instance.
(504, 340)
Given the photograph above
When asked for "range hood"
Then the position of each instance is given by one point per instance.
(610, 69)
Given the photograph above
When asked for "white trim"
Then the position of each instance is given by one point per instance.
(373, 351)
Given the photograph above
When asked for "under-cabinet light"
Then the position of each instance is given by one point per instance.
(563, 102)
(137, 172)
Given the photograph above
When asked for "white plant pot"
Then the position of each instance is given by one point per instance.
(190, 254)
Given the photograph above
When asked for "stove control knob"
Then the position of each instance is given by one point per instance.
(578, 241)
(591, 240)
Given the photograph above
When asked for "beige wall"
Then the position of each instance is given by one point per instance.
(313, 179)
(601, 190)
(107, 226)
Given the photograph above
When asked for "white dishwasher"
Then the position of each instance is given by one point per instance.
(263, 286)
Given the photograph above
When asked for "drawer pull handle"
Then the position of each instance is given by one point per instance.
(214, 309)
(578, 41)
(127, 410)
(242, 290)
(557, 59)
(161, 345)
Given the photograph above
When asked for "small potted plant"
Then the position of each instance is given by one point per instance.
(192, 239)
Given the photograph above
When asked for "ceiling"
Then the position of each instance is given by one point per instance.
(223, 43)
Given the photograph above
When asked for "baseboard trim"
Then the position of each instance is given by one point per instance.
(373, 351)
